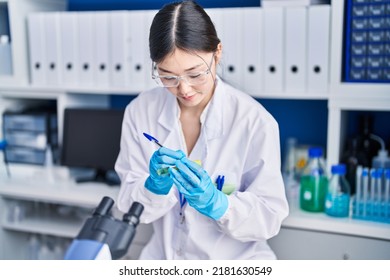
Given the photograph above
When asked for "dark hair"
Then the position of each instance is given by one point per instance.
(183, 25)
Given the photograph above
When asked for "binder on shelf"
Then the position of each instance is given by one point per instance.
(120, 48)
(5, 56)
(51, 22)
(101, 49)
(295, 49)
(86, 48)
(37, 48)
(232, 44)
(216, 16)
(252, 51)
(149, 15)
(273, 49)
(139, 50)
(69, 68)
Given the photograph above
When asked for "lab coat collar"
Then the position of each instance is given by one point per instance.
(212, 117)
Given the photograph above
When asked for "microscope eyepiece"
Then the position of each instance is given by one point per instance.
(104, 206)
(132, 217)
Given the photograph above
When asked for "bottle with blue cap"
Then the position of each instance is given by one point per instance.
(339, 192)
(313, 182)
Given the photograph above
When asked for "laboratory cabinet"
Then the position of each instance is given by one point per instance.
(316, 236)
(298, 244)
(52, 209)
(328, 238)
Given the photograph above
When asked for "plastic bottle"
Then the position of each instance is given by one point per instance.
(352, 158)
(369, 145)
(34, 245)
(313, 182)
(49, 164)
(338, 195)
(382, 160)
(290, 183)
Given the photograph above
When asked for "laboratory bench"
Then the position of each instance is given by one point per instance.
(305, 235)
(35, 204)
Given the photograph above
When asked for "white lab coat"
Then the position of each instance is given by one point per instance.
(240, 140)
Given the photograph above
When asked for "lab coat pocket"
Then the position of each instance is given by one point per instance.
(229, 183)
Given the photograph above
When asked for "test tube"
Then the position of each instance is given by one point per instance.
(380, 183)
(387, 193)
(373, 183)
(365, 190)
(358, 194)
(379, 190)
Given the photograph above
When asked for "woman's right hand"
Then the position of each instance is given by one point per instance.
(159, 180)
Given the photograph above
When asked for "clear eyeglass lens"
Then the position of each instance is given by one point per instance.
(173, 81)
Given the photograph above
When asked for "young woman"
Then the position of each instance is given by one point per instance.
(226, 205)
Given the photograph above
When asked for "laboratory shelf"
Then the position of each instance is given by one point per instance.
(320, 222)
(25, 91)
(60, 226)
(354, 99)
(60, 192)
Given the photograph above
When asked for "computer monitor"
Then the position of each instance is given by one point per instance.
(91, 139)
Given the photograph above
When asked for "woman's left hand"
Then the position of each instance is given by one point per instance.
(198, 189)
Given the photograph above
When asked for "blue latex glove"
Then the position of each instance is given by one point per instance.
(198, 189)
(159, 181)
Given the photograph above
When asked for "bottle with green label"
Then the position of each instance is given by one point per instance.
(313, 182)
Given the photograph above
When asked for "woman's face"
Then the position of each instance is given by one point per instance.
(181, 63)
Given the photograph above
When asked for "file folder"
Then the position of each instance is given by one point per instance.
(232, 45)
(216, 16)
(101, 49)
(149, 16)
(37, 48)
(69, 67)
(252, 51)
(318, 48)
(51, 22)
(295, 49)
(119, 47)
(86, 48)
(139, 50)
(273, 53)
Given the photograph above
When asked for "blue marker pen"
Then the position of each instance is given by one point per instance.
(151, 138)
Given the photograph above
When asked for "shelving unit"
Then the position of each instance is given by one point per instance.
(63, 192)
(307, 235)
(347, 96)
(341, 98)
(17, 11)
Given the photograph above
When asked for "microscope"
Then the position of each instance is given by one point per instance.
(103, 237)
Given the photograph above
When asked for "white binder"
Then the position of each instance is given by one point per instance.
(36, 41)
(86, 48)
(232, 46)
(216, 16)
(252, 51)
(101, 49)
(53, 48)
(295, 49)
(69, 49)
(139, 50)
(273, 52)
(120, 49)
(149, 16)
(318, 48)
